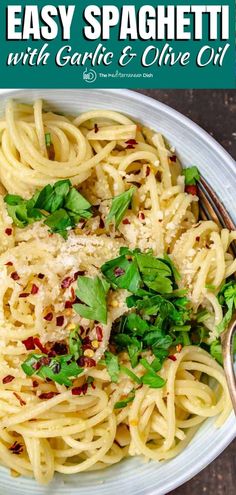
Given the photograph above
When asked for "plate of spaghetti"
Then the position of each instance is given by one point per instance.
(113, 295)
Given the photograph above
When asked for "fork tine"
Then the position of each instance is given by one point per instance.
(212, 209)
(216, 205)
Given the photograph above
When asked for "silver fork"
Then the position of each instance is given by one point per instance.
(212, 209)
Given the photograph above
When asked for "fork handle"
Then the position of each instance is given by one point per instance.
(227, 352)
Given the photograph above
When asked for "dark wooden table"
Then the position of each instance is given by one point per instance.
(215, 111)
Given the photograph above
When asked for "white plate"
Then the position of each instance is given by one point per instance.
(195, 147)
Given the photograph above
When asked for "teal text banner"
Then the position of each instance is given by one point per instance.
(113, 44)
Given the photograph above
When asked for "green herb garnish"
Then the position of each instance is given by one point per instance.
(112, 366)
(124, 403)
(192, 175)
(60, 369)
(93, 293)
(60, 204)
(227, 298)
(119, 206)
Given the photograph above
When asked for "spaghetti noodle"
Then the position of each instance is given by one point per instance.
(46, 426)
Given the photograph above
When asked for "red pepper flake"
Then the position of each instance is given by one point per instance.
(48, 395)
(29, 343)
(41, 276)
(80, 390)
(21, 401)
(86, 362)
(99, 333)
(126, 221)
(24, 294)
(86, 344)
(101, 224)
(191, 190)
(9, 263)
(141, 215)
(172, 357)
(92, 385)
(198, 238)
(48, 317)
(119, 271)
(59, 349)
(39, 345)
(14, 276)
(8, 379)
(79, 274)
(16, 448)
(172, 158)
(67, 282)
(96, 129)
(148, 170)
(59, 321)
(131, 144)
(34, 289)
(72, 291)
(68, 304)
(8, 231)
(35, 383)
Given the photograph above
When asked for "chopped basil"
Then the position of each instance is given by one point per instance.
(227, 298)
(61, 204)
(133, 270)
(60, 369)
(192, 175)
(112, 366)
(119, 206)
(93, 293)
(130, 373)
(124, 403)
(48, 139)
(75, 343)
(153, 380)
(216, 351)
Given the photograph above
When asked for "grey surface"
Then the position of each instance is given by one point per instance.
(214, 111)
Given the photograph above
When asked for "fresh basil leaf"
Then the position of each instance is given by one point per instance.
(92, 292)
(13, 199)
(122, 273)
(112, 366)
(31, 361)
(192, 175)
(76, 203)
(149, 265)
(227, 298)
(130, 374)
(160, 354)
(124, 403)
(75, 343)
(19, 214)
(160, 284)
(157, 338)
(153, 380)
(48, 139)
(136, 324)
(172, 266)
(61, 370)
(134, 350)
(51, 198)
(119, 206)
(59, 221)
(216, 351)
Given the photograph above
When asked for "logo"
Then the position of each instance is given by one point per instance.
(89, 76)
